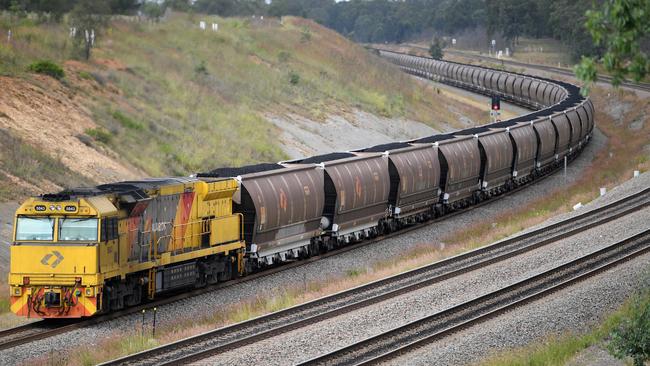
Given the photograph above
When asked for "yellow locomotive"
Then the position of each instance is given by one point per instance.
(99, 249)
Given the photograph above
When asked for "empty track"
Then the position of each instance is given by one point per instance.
(261, 328)
(413, 335)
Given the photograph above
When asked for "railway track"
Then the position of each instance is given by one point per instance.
(25, 334)
(405, 339)
(557, 70)
(252, 331)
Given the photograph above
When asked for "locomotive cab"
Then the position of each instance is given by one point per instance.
(55, 254)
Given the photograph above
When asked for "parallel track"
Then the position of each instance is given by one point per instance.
(261, 328)
(405, 339)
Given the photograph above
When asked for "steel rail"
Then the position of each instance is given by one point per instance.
(406, 338)
(248, 332)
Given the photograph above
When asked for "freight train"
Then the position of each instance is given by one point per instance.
(94, 250)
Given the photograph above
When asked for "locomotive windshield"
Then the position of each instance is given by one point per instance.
(78, 229)
(35, 228)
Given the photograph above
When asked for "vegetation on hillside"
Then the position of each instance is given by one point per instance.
(174, 99)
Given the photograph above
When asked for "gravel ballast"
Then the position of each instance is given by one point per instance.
(353, 327)
(327, 268)
(575, 309)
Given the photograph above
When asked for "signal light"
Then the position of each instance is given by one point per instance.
(496, 103)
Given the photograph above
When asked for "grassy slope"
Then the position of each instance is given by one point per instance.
(173, 99)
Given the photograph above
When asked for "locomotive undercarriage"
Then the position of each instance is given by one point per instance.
(138, 287)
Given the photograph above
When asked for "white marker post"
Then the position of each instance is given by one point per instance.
(202, 25)
(636, 174)
(603, 191)
(215, 27)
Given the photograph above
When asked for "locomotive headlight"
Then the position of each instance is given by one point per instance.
(52, 207)
(58, 207)
(17, 291)
(89, 292)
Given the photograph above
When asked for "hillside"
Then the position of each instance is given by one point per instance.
(169, 99)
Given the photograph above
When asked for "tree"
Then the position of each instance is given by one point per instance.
(153, 11)
(632, 338)
(435, 50)
(89, 17)
(619, 26)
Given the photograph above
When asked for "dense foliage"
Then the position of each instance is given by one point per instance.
(622, 27)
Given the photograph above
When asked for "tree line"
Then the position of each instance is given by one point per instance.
(377, 20)
(380, 21)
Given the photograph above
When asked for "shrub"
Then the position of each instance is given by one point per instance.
(48, 68)
(284, 56)
(99, 135)
(294, 78)
(435, 50)
(632, 337)
(201, 69)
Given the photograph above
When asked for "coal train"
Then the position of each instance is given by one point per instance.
(94, 250)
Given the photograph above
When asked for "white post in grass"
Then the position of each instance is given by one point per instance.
(636, 174)
(603, 191)
(202, 25)
(9, 36)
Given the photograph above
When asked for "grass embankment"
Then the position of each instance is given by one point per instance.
(624, 152)
(174, 99)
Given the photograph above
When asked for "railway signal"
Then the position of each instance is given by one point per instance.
(495, 109)
(496, 103)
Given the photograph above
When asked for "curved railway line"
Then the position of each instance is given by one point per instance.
(261, 328)
(555, 98)
(411, 336)
(557, 70)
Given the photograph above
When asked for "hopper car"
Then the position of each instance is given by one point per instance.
(93, 250)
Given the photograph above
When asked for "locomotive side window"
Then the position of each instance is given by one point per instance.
(78, 229)
(109, 229)
(35, 228)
